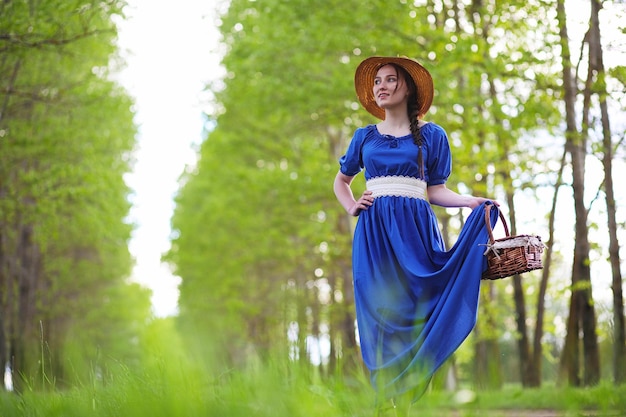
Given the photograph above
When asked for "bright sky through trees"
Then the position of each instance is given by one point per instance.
(170, 56)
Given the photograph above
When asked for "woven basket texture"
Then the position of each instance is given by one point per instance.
(511, 255)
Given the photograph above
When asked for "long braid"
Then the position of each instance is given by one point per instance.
(417, 134)
(413, 113)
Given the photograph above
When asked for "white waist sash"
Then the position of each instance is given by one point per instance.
(397, 186)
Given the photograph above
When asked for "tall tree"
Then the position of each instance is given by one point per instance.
(66, 136)
(582, 318)
(597, 85)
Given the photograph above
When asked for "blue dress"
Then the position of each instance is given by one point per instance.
(416, 302)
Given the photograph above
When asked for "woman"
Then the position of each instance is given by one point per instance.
(415, 301)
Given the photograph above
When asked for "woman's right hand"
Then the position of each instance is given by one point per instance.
(363, 203)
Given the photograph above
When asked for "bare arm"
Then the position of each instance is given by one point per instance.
(442, 196)
(344, 194)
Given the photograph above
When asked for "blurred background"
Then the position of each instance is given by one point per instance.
(166, 183)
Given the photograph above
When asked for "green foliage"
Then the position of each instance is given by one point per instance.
(258, 234)
(67, 133)
(619, 73)
(259, 240)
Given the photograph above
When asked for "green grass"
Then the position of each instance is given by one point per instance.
(169, 382)
(602, 400)
(178, 388)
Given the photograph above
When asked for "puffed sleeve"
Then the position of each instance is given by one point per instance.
(351, 163)
(439, 158)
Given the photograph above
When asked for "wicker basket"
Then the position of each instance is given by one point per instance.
(511, 255)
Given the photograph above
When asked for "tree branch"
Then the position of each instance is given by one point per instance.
(40, 41)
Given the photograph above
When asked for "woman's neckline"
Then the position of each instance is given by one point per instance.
(385, 135)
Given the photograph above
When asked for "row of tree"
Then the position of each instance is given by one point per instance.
(263, 248)
(66, 140)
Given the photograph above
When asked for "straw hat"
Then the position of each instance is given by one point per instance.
(364, 82)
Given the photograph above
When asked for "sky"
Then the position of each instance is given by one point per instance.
(170, 54)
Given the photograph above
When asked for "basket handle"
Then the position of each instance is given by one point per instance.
(488, 222)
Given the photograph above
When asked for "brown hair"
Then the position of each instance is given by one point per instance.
(412, 110)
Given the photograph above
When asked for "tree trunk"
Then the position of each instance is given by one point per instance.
(569, 358)
(487, 366)
(22, 281)
(523, 345)
(582, 313)
(535, 372)
(3, 352)
(348, 352)
(525, 359)
(596, 64)
(349, 349)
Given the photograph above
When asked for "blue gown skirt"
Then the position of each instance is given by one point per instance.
(416, 302)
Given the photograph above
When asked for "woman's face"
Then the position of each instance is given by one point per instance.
(390, 89)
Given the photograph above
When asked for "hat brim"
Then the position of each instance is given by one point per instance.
(364, 82)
